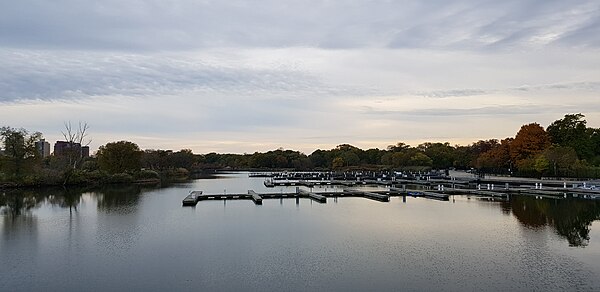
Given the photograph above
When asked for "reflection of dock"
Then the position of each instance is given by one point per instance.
(482, 193)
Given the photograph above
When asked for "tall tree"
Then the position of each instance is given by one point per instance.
(572, 131)
(72, 157)
(20, 152)
(497, 158)
(441, 154)
(531, 139)
(561, 159)
(76, 138)
(118, 157)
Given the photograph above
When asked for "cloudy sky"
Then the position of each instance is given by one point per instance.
(244, 76)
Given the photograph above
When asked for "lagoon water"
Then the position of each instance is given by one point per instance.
(131, 238)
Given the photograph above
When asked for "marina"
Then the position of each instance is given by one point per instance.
(380, 187)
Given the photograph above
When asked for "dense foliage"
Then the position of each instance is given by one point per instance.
(119, 157)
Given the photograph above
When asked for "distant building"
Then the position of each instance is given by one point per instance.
(43, 148)
(63, 147)
(85, 151)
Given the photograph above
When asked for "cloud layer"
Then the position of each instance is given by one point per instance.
(243, 76)
(189, 24)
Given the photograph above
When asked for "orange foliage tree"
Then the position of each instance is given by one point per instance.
(497, 158)
(531, 140)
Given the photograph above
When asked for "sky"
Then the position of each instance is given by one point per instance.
(244, 76)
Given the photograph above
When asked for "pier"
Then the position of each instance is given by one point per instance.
(422, 187)
(255, 197)
(313, 196)
(437, 196)
(369, 195)
(192, 198)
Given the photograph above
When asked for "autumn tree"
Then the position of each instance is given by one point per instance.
(531, 139)
(468, 155)
(497, 158)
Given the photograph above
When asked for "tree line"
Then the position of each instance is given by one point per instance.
(567, 148)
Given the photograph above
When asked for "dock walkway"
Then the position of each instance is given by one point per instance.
(192, 198)
(255, 197)
(313, 196)
(369, 195)
(384, 195)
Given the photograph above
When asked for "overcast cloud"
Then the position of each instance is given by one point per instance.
(245, 76)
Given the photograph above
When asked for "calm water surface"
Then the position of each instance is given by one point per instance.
(136, 238)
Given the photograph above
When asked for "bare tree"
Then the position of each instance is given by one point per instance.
(73, 154)
(76, 138)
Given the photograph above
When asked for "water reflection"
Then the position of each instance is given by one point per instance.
(65, 198)
(571, 218)
(22, 202)
(122, 199)
(19, 202)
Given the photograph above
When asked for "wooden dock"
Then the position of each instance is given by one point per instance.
(192, 198)
(255, 197)
(369, 195)
(421, 193)
(384, 195)
(311, 183)
(313, 196)
(437, 196)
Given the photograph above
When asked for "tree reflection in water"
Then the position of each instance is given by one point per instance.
(19, 202)
(118, 198)
(65, 197)
(571, 218)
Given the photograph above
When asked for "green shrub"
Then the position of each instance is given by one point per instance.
(120, 178)
(146, 174)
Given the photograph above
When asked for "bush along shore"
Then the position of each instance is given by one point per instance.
(97, 178)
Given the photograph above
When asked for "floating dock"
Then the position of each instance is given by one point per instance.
(270, 183)
(384, 195)
(192, 198)
(421, 193)
(369, 195)
(255, 197)
(437, 196)
(313, 196)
